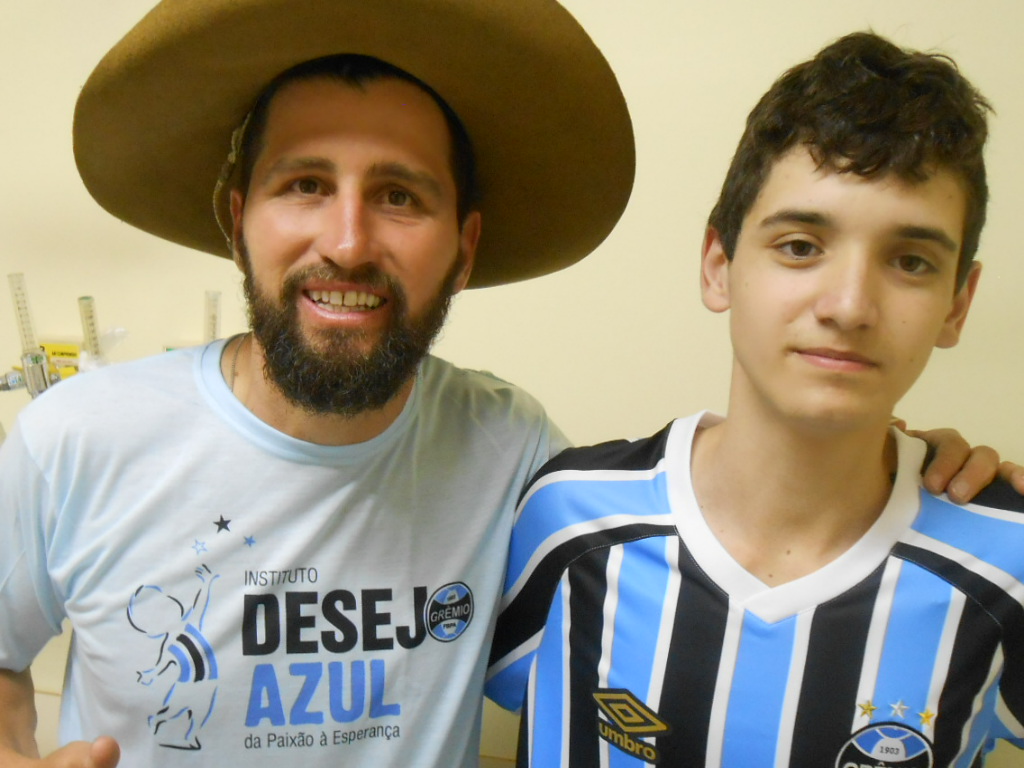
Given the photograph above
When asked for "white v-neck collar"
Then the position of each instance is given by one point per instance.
(747, 591)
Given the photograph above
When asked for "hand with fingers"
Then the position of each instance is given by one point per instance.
(960, 470)
(104, 752)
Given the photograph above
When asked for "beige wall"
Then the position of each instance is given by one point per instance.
(616, 345)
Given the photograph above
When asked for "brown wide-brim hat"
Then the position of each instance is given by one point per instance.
(546, 116)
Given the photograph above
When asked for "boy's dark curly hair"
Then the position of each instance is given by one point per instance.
(865, 106)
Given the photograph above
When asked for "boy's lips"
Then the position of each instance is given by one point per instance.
(840, 359)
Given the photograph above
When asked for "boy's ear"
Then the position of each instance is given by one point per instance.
(714, 272)
(950, 333)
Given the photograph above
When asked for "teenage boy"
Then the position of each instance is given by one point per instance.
(775, 588)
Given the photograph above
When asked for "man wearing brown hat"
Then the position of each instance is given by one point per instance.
(287, 546)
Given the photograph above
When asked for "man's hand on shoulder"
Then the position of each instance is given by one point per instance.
(1013, 474)
(962, 471)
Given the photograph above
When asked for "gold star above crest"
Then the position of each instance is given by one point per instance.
(867, 709)
(926, 718)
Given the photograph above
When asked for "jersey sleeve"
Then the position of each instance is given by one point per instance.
(525, 601)
(31, 611)
(561, 516)
(1001, 500)
(542, 547)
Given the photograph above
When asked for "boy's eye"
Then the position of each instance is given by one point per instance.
(799, 249)
(913, 264)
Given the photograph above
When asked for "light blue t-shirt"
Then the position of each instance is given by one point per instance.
(242, 597)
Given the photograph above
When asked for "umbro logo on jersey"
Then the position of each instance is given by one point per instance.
(629, 721)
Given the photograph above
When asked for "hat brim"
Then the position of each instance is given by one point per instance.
(547, 119)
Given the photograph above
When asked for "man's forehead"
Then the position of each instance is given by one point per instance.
(323, 107)
(322, 89)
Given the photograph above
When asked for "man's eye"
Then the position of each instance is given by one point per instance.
(399, 198)
(307, 186)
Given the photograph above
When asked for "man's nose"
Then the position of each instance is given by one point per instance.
(345, 235)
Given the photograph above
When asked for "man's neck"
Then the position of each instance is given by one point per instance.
(243, 369)
(787, 499)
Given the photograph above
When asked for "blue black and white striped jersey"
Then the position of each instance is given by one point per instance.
(629, 636)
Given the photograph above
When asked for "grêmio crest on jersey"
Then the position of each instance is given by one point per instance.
(881, 745)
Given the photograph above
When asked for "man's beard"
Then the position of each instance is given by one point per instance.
(334, 376)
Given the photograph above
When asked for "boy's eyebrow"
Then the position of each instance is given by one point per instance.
(908, 232)
(796, 216)
(932, 234)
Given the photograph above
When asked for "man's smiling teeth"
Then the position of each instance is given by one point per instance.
(347, 299)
